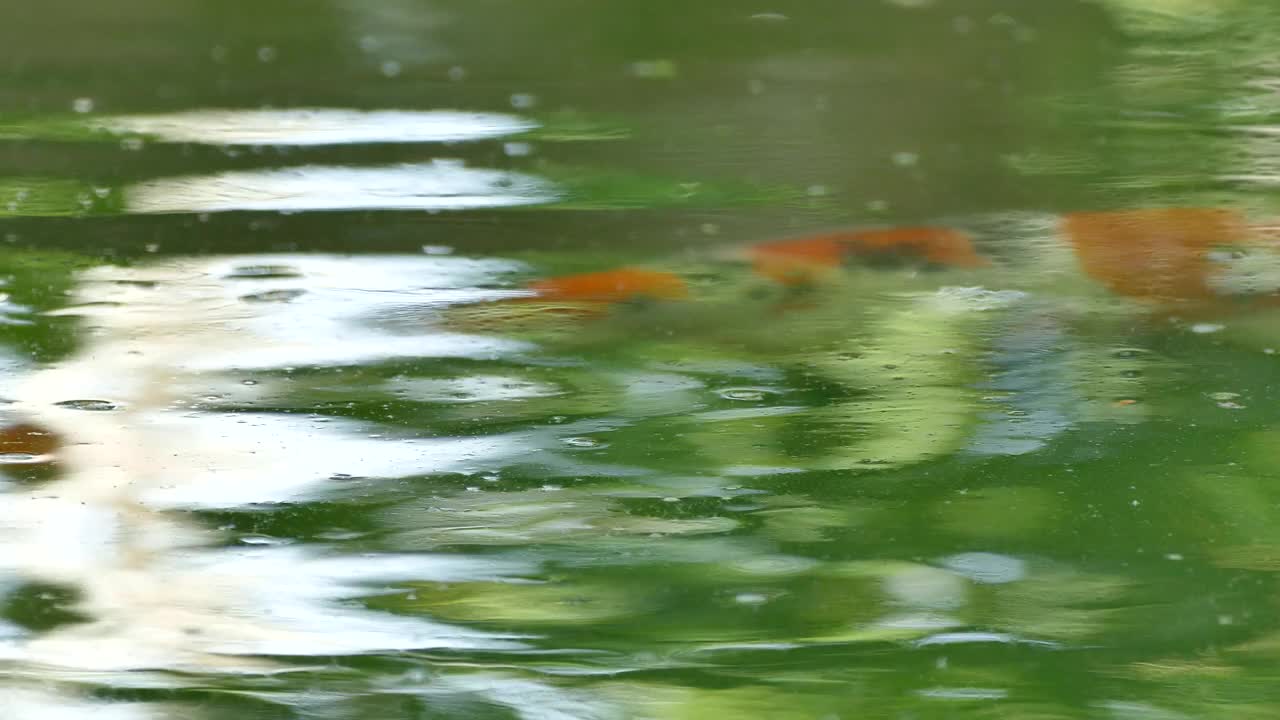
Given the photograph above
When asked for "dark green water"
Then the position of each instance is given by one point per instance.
(273, 451)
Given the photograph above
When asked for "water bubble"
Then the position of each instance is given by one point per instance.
(1206, 328)
(264, 540)
(986, 568)
(82, 105)
(751, 598)
(263, 272)
(583, 442)
(745, 394)
(94, 405)
(437, 250)
(905, 159)
(132, 144)
(249, 382)
(16, 458)
(774, 565)
(654, 69)
(523, 101)
(266, 54)
(390, 68)
(517, 149)
(457, 73)
(274, 296)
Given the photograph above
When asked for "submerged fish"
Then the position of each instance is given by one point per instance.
(1197, 260)
(991, 335)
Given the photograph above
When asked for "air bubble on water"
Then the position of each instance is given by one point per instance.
(551, 488)
(82, 105)
(152, 247)
(16, 458)
(517, 149)
(986, 568)
(523, 101)
(266, 54)
(1206, 328)
(774, 565)
(906, 159)
(457, 73)
(582, 442)
(769, 17)
(1173, 556)
(274, 296)
(390, 68)
(751, 598)
(369, 43)
(755, 86)
(264, 540)
(745, 394)
(93, 405)
(248, 382)
(817, 191)
(654, 69)
(132, 144)
(218, 53)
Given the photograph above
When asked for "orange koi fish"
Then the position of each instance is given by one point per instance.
(1159, 254)
(611, 286)
(34, 441)
(805, 259)
(1184, 256)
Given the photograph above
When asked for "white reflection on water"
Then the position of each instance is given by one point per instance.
(438, 185)
(158, 588)
(316, 126)
(47, 705)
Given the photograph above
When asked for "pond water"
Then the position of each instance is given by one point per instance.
(579, 361)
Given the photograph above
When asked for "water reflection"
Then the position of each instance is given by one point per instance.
(436, 186)
(314, 126)
(845, 456)
(158, 590)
